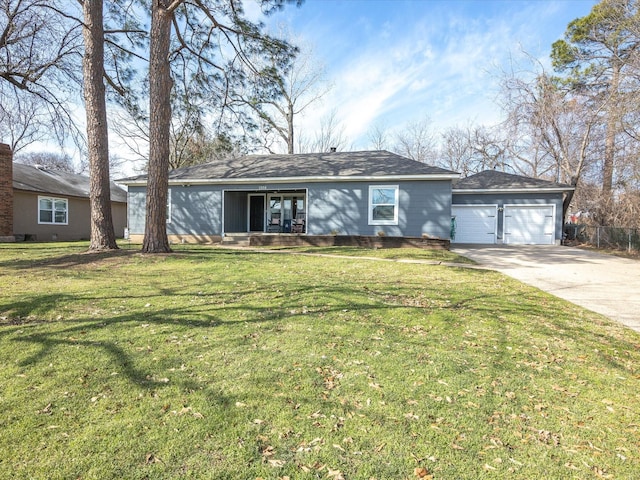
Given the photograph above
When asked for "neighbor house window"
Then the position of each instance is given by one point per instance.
(53, 210)
(383, 205)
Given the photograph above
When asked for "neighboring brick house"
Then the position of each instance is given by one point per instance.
(47, 205)
(6, 194)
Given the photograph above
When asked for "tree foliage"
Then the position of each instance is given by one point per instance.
(208, 45)
(54, 161)
(277, 100)
(598, 60)
(40, 49)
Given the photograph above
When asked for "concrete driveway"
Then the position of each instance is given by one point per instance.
(602, 283)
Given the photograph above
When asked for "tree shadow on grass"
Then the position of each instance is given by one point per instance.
(88, 258)
(324, 302)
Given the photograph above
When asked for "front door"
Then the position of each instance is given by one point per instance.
(256, 213)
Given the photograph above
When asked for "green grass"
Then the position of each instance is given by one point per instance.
(220, 364)
(408, 254)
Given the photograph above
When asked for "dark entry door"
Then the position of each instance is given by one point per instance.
(256, 213)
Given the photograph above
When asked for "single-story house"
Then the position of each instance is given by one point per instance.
(370, 193)
(373, 193)
(50, 205)
(496, 207)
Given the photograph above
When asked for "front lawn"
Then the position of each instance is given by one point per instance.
(220, 364)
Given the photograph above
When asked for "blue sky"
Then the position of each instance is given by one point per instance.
(398, 61)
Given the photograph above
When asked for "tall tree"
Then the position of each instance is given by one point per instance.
(40, 46)
(200, 31)
(102, 231)
(552, 132)
(278, 100)
(417, 141)
(595, 55)
(155, 237)
(330, 136)
(378, 137)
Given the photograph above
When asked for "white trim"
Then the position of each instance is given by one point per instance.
(396, 205)
(53, 211)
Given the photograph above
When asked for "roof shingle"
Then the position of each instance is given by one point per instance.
(307, 165)
(496, 180)
(42, 180)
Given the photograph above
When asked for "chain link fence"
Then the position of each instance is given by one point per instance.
(615, 238)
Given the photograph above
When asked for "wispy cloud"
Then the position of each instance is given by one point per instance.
(436, 59)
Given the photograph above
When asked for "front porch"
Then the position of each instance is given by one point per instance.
(258, 211)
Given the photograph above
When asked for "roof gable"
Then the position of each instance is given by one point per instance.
(55, 182)
(496, 180)
(307, 166)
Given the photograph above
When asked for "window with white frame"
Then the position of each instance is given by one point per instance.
(383, 205)
(54, 211)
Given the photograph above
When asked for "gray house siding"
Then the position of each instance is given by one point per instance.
(195, 210)
(136, 202)
(337, 207)
(502, 199)
(343, 208)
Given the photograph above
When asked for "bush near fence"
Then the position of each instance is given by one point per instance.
(616, 238)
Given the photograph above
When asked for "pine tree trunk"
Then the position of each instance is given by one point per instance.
(102, 232)
(612, 130)
(155, 232)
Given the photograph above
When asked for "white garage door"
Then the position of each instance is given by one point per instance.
(529, 224)
(475, 223)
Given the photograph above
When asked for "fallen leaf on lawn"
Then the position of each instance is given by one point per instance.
(455, 446)
(338, 447)
(257, 421)
(46, 410)
(268, 451)
(240, 404)
(335, 474)
(151, 458)
(422, 472)
(488, 467)
(276, 463)
(379, 448)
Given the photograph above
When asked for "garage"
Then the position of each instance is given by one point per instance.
(475, 223)
(529, 224)
(498, 207)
